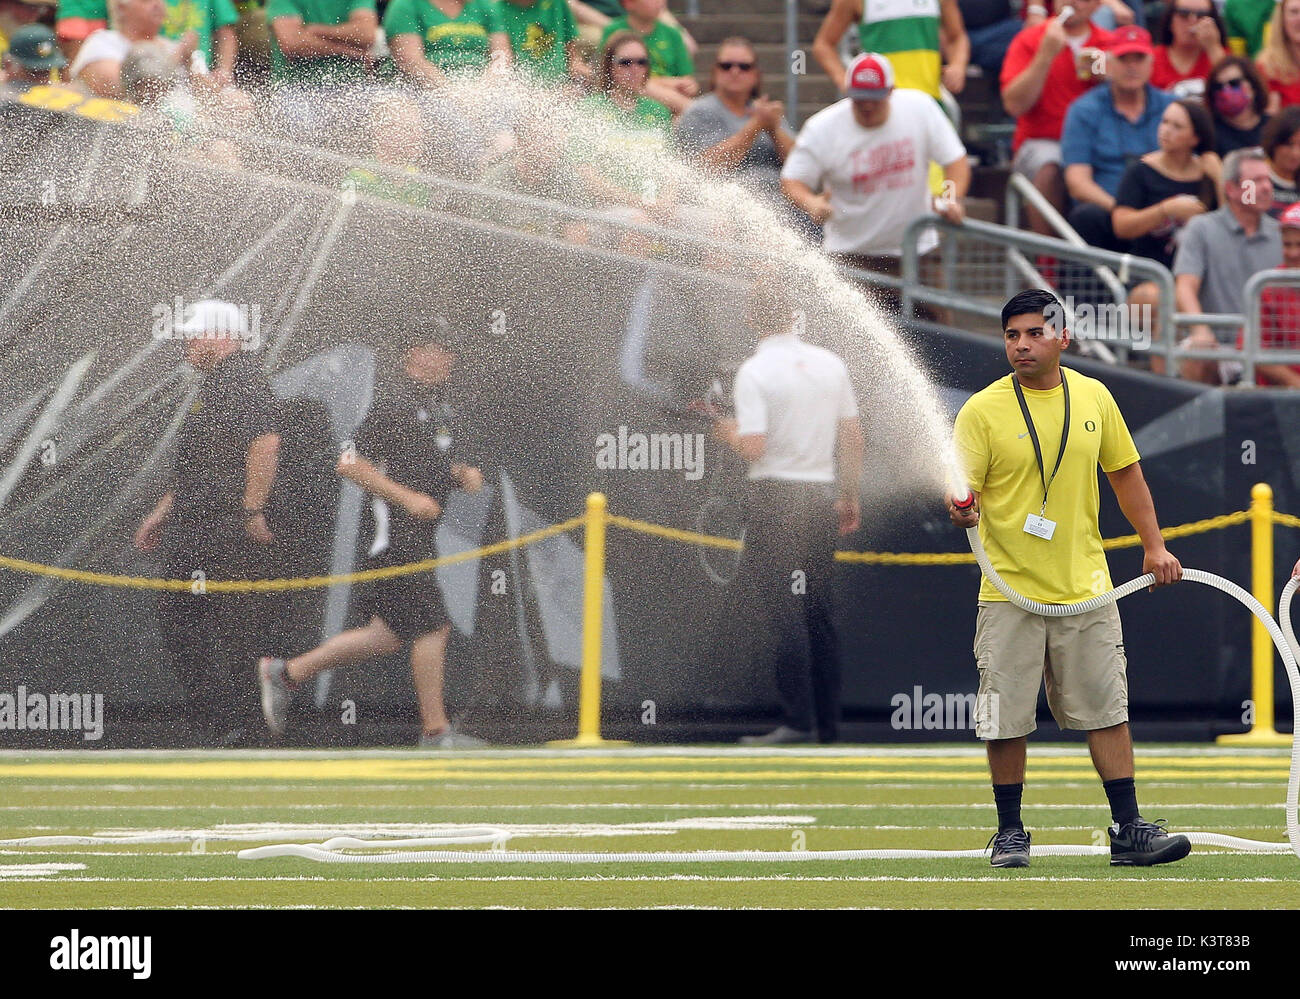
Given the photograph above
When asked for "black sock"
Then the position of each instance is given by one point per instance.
(1123, 799)
(1007, 797)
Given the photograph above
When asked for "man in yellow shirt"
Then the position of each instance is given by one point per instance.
(1030, 445)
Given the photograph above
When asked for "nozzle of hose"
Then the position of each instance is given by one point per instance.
(965, 503)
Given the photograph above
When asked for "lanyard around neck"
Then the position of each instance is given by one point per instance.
(1033, 434)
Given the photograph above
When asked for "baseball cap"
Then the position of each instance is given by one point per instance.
(870, 77)
(214, 316)
(1129, 38)
(1291, 217)
(33, 46)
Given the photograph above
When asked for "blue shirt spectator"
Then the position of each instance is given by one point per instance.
(1106, 129)
(1097, 134)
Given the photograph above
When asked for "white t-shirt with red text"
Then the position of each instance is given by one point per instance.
(877, 178)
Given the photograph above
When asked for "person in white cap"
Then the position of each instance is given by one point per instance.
(860, 167)
(211, 524)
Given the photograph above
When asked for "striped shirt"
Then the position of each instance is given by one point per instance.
(907, 31)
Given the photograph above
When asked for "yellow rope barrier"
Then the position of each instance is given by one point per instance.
(302, 583)
(673, 533)
(628, 523)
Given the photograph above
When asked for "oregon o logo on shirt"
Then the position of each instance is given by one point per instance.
(1090, 426)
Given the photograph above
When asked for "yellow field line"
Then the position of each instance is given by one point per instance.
(290, 770)
(630, 763)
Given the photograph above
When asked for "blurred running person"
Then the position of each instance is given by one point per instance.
(1040, 499)
(403, 455)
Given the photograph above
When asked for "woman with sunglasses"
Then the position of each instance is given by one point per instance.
(1237, 99)
(619, 166)
(621, 82)
(1191, 40)
(1279, 60)
(733, 129)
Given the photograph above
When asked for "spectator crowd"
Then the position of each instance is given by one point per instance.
(1166, 130)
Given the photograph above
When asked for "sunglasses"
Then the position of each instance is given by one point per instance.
(744, 67)
(633, 62)
(1236, 83)
(1190, 14)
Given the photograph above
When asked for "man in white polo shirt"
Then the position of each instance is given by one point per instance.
(797, 426)
(860, 167)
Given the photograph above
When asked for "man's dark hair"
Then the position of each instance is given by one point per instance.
(1035, 300)
(1280, 130)
(1202, 124)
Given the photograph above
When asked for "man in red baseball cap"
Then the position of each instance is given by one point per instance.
(861, 167)
(1108, 128)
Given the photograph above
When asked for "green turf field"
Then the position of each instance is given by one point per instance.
(194, 811)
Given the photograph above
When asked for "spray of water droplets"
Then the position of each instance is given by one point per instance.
(537, 225)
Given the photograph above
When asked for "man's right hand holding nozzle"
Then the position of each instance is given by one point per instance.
(964, 511)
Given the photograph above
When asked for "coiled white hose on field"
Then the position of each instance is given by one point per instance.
(1283, 636)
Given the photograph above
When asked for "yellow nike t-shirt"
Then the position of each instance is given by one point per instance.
(997, 452)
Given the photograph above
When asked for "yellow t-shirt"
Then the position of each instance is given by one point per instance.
(997, 452)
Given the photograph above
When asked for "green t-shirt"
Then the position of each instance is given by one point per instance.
(539, 35)
(453, 44)
(1246, 20)
(90, 10)
(406, 191)
(669, 55)
(649, 115)
(331, 69)
(627, 153)
(202, 16)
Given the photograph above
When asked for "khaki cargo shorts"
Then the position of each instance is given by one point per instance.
(1080, 659)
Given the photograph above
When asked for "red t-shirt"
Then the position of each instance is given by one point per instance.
(1279, 323)
(1290, 91)
(1164, 75)
(1047, 117)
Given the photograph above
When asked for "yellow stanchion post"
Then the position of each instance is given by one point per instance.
(1262, 732)
(593, 602)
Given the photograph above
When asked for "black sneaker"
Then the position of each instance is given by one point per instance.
(1010, 848)
(1142, 844)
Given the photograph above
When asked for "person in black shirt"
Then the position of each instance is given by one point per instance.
(1160, 193)
(212, 524)
(402, 455)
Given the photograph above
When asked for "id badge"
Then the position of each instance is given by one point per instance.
(1040, 527)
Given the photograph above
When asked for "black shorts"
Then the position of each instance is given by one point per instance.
(410, 605)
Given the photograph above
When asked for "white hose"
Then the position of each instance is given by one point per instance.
(1283, 637)
(329, 850)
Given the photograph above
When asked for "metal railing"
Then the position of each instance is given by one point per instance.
(1019, 186)
(1253, 350)
(990, 233)
(1019, 272)
(791, 77)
